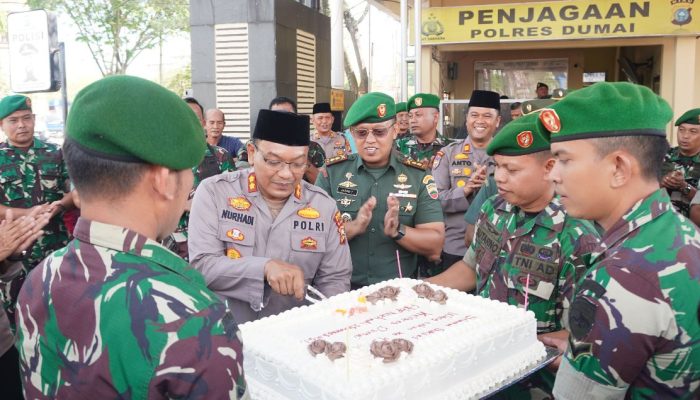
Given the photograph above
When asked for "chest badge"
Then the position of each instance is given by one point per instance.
(347, 183)
(345, 201)
(239, 203)
(308, 213)
(408, 207)
(402, 179)
(309, 243)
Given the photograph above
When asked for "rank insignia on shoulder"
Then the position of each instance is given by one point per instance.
(413, 163)
(336, 159)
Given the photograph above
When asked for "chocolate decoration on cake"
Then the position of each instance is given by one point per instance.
(335, 350)
(317, 347)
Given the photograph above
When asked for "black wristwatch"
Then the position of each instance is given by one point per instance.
(19, 257)
(686, 190)
(400, 233)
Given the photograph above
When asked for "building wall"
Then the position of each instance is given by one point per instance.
(272, 28)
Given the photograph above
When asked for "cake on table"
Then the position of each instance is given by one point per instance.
(398, 339)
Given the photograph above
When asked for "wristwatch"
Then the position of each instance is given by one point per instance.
(400, 232)
(686, 190)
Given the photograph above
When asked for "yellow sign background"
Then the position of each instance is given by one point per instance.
(337, 100)
(558, 21)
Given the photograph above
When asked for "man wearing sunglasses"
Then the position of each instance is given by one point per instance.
(261, 235)
(389, 203)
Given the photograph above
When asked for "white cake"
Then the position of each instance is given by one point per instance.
(461, 348)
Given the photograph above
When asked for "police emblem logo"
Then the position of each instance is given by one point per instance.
(462, 156)
(550, 120)
(461, 183)
(239, 203)
(418, 101)
(524, 139)
(308, 213)
(235, 234)
(309, 243)
(381, 110)
(467, 171)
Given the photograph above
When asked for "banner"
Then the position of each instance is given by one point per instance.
(560, 20)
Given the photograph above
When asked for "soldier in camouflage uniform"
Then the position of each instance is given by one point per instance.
(216, 160)
(115, 314)
(32, 174)
(424, 141)
(634, 324)
(402, 120)
(526, 251)
(333, 143)
(681, 169)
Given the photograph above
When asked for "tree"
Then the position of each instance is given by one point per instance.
(352, 26)
(117, 31)
(180, 80)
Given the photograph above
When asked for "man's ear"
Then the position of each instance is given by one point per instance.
(624, 167)
(251, 152)
(164, 181)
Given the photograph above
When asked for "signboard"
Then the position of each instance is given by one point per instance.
(337, 100)
(31, 38)
(561, 20)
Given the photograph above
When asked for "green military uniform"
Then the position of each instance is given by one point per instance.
(351, 184)
(409, 145)
(216, 160)
(690, 167)
(114, 314)
(424, 153)
(530, 260)
(635, 331)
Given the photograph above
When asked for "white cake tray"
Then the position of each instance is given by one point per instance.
(551, 355)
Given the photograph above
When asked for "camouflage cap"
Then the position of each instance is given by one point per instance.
(16, 102)
(518, 137)
(690, 117)
(607, 109)
(401, 107)
(532, 106)
(423, 100)
(130, 119)
(371, 107)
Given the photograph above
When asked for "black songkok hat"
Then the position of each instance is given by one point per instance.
(321, 108)
(282, 127)
(486, 99)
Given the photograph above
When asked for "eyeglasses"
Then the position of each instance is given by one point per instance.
(278, 165)
(378, 133)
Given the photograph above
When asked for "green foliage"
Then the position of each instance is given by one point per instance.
(180, 81)
(117, 31)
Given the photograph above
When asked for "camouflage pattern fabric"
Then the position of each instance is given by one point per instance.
(28, 178)
(551, 247)
(634, 318)
(690, 166)
(116, 315)
(32, 177)
(421, 152)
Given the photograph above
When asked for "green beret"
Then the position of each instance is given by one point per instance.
(401, 107)
(690, 117)
(531, 106)
(518, 137)
(607, 109)
(10, 104)
(371, 107)
(130, 119)
(423, 100)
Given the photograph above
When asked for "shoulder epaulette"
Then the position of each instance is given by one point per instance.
(336, 159)
(413, 163)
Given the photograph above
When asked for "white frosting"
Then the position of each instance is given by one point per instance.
(461, 349)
